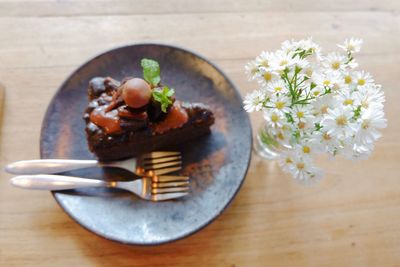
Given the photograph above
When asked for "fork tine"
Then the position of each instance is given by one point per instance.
(163, 171)
(169, 190)
(163, 165)
(169, 178)
(161, 197)
(160, 160)
(170, 184)
(160, 154)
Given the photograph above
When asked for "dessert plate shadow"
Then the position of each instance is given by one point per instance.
(217, 163)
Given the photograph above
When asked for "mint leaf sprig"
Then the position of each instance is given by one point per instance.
(164, 96)
(151, 73)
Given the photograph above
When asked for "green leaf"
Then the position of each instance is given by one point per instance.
(318, 126)
(151, 71)
(313, 85)
(164, 96)
(289, 117)
(357, 112)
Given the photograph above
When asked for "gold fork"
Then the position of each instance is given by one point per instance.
(150, 164)
(156, 188)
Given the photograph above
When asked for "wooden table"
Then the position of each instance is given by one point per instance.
(352, 218)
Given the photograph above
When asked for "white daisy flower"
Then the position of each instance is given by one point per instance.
(304, 171)
(370, 95)
(263, 60)
(363, 78)
(308, 44)
(276, 87)
(286, 160)
(301, 63)
(322, 104)
(337, 83)
(254, 101)
(303, 45)
(362, 152)
(307, 147)
(352, 45)
(280, 103)
(274, 119)
(288, 46)
(371, 120)
(283, 135)
(305, 126)
(348, 98)
(337, 122)
(302, 117)
(301, 113)
(327, 142)
(348, 79)
(334, 61)
(355, 151)
(266, 76)
(331, 80)
(282, 60)
(251, 70)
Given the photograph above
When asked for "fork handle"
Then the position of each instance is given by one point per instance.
(55, 182)
(39, 166)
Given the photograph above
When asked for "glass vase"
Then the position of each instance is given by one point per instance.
(266, 144)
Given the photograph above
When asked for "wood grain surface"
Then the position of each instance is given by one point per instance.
(352, 218)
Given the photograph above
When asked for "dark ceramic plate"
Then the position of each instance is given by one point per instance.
(217, 163)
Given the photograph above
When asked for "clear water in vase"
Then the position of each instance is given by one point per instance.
(265, 144)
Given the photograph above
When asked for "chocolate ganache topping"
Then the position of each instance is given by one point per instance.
(132, 105)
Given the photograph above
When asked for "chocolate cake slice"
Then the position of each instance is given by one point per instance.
(132, 117)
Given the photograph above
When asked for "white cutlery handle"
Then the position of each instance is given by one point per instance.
(54, 182)
(39, 166)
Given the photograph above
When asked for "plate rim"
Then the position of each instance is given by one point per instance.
(164, 45)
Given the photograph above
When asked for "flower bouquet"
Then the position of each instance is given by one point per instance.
(314, 103)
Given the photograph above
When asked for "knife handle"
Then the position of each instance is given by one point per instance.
(39, 166)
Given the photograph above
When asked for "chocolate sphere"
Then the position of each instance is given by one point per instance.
(136, 93)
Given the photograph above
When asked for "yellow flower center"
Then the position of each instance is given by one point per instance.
(309, 72)
(335, 65)
(280, 136)
(347, 79)
(283, 62)
(301, 125)
(306, 149)
(280, 105)
(364, 104)
(365, 124)
(361, 82)
(288, 160)
(274, 118)
(300, 165)
(348, 102)
(324, 109)
(316, 93)
(278, 89)
(327, 82)
(300, 114)
(341, 120)
(326, 137)
(268, 76)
